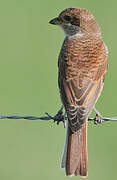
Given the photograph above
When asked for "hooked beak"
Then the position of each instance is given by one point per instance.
(55, 21)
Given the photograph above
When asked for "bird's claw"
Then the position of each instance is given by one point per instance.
(59, 117)
(98, 119)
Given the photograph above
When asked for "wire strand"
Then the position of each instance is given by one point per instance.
(59, 117)
(49, 117)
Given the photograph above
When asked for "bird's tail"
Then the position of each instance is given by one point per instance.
(75, 152)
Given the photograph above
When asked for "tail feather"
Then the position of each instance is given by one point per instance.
(75, 152)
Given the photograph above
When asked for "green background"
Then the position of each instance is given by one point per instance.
(29, 47)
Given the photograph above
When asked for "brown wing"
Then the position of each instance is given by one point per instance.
(80, 92)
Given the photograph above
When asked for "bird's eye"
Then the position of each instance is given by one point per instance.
(67, 18)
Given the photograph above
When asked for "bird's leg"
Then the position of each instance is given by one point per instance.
(98, 117)
(60, 117)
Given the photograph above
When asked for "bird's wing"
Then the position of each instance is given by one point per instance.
(80, 91)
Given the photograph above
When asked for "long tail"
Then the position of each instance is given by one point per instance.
(75, 152)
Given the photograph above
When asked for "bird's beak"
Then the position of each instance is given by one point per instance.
(55, 21)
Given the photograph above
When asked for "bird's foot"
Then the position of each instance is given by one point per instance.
(98, 119)
(60, 116)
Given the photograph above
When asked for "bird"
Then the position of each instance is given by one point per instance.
(82, 65)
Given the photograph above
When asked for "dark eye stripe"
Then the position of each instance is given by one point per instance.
(67, 18)
(75, 21)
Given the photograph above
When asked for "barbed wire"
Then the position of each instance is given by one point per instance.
(59, 117)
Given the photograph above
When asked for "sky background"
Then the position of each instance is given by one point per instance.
(29, 48)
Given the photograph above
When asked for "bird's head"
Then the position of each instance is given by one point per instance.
(76, 21)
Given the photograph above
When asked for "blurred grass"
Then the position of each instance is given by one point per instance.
(28, 75)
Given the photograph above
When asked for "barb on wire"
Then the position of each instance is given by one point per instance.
(59, 117)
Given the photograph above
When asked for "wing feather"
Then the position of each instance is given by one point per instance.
(81, 87)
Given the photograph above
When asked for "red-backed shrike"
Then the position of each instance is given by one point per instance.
(82, 66)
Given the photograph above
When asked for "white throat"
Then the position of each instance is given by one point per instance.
(71, 30)
(77, 35)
